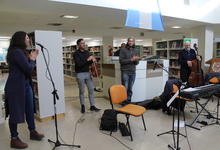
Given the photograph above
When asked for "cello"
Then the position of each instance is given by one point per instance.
(196, 77)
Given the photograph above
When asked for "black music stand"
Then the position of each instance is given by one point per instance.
(176, 143)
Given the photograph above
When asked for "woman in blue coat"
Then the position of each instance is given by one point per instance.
(18, 90)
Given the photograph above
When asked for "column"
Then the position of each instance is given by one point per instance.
(106, 41)
(205, 36)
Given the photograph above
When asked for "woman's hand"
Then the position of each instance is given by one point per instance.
(33, 55)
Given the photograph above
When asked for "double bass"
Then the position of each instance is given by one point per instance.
(196, 77)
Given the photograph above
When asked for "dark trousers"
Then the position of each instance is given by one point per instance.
(184, 74)
(127, 79)
(29, 112)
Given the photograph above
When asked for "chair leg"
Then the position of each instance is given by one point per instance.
(127, 116)
(143, 122)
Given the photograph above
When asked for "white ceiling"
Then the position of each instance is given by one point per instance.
(29, 15)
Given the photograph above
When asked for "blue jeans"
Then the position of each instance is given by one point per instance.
(127, 79)
(29, 112)
(82, 79)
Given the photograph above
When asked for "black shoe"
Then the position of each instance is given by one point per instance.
(83, 109)
(93, 108)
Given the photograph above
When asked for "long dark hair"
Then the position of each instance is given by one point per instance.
(17, 41)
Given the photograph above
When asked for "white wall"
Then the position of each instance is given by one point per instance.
(209, 40)
(4, 43)
(52, 40)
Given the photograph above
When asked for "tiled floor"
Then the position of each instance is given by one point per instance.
(90, 138)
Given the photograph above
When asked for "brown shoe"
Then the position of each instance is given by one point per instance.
(34, 135)
(18, 144)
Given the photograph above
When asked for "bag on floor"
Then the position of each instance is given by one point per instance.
(155, 104)
(109, 120)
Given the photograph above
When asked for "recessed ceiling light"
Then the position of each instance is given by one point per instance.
(4, 37)
(176, 27)
(69, 17)
(96, 40)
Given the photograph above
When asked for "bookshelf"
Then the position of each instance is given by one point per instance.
(170, 50)
(68, 61)
(147, 50)
(42, 87)
(161, 49)
(217, 49)
(175, 46)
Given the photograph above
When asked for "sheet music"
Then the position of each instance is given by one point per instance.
(190, 89)
(174, 96)
(172, 99)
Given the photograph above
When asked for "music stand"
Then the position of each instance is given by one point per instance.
(176, 143)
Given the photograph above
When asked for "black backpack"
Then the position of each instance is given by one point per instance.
(109, 120)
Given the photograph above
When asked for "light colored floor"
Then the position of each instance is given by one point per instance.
(90, 138)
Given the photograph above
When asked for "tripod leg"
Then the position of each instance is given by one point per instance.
(217, 111)
(78, 146)
(168, 132)
(174, 140)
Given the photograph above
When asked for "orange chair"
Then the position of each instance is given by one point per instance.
(214, 80)
(118, 94)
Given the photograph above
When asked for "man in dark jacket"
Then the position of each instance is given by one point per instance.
(83, 60)
(185, 59)
(128, 59)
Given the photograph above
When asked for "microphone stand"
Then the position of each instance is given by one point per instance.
(55, 98)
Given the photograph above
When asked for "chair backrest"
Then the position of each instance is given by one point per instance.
(175, 88)
(214, 80)
(117, 94)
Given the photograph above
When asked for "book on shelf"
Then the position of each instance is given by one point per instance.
(176, 44)
(218, 45)
(161, 45)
